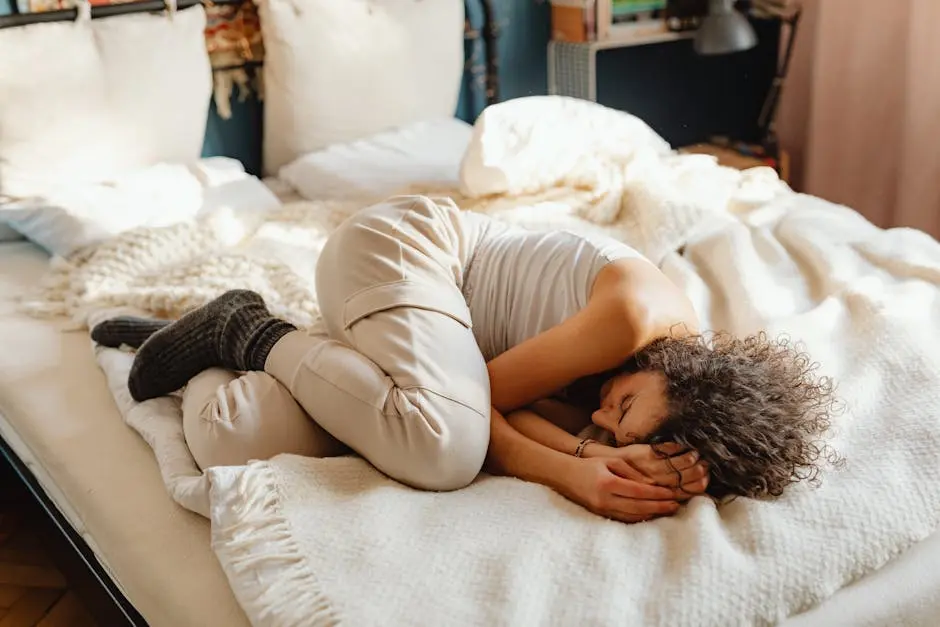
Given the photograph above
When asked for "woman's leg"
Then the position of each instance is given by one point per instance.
(417, 410)
(229, 419)
(235, 331)
(401, 381)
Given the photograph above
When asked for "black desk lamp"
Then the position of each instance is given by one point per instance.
(725, 30)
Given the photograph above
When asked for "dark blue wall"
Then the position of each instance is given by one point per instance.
(524, 33)
(238, 136)
(686, 97)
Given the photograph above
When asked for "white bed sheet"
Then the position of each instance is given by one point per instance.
(58, 416)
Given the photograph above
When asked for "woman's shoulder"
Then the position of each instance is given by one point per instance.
(639, 293)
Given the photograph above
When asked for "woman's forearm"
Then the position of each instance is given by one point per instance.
(536, 427)
(513, 454)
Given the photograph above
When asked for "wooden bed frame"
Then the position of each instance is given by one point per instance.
(71, 554)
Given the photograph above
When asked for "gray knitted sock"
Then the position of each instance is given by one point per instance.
(235, 331)
(126, 330)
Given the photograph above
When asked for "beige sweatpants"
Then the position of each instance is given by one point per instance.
(393, 371)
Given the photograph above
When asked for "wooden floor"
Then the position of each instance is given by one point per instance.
(33, 593)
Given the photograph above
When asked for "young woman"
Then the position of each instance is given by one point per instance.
(449, 341)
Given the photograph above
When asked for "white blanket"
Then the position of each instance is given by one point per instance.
(306, 541)
(315, 542)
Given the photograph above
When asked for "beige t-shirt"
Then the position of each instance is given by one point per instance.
(519, 283)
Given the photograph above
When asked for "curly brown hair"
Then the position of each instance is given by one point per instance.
(753, 408)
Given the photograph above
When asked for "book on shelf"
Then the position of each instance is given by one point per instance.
(627, 10)
(574, 20)
(617, 20)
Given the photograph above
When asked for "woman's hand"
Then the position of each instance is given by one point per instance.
(666, 464)
(613, 488)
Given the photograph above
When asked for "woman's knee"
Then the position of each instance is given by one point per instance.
(452, 450)
(416, 436)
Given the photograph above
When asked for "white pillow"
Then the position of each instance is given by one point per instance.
(338, 70)
(90, 101)
(9, 235)
(383, 164)
(71, 217)
(530, 144)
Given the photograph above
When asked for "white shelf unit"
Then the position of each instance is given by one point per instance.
(572, 66)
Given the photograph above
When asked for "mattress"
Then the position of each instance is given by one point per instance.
(58, 416)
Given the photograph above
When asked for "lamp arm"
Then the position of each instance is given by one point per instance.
(766, 120)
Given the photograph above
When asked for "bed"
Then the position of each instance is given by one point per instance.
(60, 422)
(101, 480)
(153, 562)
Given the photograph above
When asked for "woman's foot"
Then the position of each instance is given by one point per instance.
(126, 331)
(234, 331)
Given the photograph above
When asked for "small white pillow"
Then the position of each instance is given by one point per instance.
(336, 71)
(91, 101)
(529, 144)
(72, 217)
(383, 164)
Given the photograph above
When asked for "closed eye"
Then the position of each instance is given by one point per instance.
(625, 407)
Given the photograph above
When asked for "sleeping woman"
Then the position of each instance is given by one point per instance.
(450, 343)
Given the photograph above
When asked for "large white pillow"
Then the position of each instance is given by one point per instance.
(90, 101)
(530, 144)
(387, 163)
(71, 217)
(338, 70)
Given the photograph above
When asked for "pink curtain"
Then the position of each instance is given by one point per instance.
(861, 113)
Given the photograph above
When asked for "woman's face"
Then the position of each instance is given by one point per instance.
(632, 406)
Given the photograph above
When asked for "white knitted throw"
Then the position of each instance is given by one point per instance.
(168, 271)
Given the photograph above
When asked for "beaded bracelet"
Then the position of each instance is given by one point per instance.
(583, 443)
